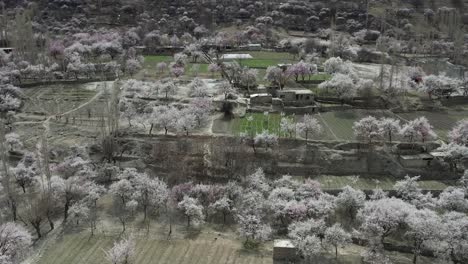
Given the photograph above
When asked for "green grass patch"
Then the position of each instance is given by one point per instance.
(321, 77)
(264, 59)
(256, 123)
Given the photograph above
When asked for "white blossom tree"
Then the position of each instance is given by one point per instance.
(389, 127)
(287, 126)
(439, 85)
(336, 65)
(197, 88)
(224, 205)
(342, 85)
(367, 129)
(350, 201)
(169, 88)
(163, 117)
(186, 121)
(123, 205)
(453, 199)
(299, 230)
(380, 218)
(26, 171)
(309, 126)
(309, 246)
(191, 208)
(336, 236)
(201, 109)
(122, 252)
(454, 154)
(422, 229)
(277, 76)
(252, 228)
(451, 243)
(150, 193)
(15, 241)
(225, 88)
(459, 134)
(248, 78)
(13, 141)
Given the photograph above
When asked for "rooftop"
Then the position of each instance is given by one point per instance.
(283, 243)
(297, 91)
(236, 56)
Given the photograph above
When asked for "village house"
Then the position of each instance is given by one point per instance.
(296, 97)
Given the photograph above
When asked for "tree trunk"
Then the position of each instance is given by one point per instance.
(37, 228)
(65, 211)
(51, 223)
(145, 213)
(123, 226)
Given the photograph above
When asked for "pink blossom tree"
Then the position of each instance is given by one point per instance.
(161, 67)
(213, 68)
(177, 71)
(56, 49)
(419, 128)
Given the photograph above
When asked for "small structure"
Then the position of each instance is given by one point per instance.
(416, 161)
(7, 50)
(284, 66)
(236, 57)
(296, 97)
(251, 47)
(283, 249)
(261, 98)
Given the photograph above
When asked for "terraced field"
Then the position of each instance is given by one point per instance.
(207, 248)
(338, 125)
(80, 248)
(442, 121)
(386, 183)
(59, 98)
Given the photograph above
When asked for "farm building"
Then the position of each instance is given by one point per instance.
(416, 161)
(299, 97)
(261, 98)
(283, 249)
